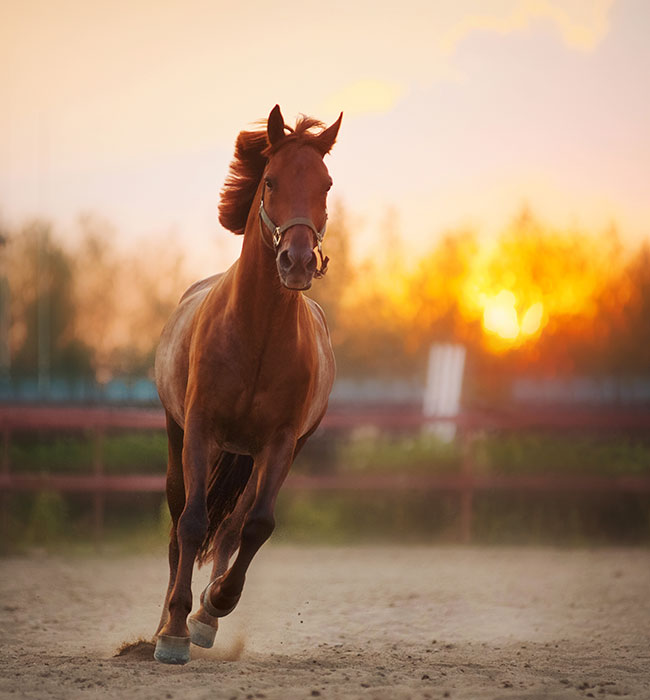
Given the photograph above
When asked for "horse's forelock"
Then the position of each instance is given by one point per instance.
(302, 132)
(252, 150)
(243, 177)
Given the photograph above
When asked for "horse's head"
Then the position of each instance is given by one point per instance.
(293, 208)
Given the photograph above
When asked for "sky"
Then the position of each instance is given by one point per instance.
(456, 113)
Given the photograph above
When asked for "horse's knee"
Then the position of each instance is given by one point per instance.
(258, 528)
(192, 527)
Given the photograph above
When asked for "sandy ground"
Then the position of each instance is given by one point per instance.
(341, 623)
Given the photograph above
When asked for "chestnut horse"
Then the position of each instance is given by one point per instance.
(244, 370)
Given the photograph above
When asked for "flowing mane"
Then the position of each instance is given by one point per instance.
(252, 150)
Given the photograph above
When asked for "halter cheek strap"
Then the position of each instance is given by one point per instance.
(278, 231)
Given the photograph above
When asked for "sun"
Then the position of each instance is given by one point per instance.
(501, 318)
(500, 315)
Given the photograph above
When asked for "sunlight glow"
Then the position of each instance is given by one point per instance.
(532, 319)
(501, 318)
(500, 315)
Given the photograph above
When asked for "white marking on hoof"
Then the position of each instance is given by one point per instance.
(172, 650)
(201, 634)
(207, 603)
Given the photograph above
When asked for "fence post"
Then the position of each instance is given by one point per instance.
(6, 468)
(98, 496)
(467, 492)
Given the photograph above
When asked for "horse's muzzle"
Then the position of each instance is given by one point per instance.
(296, 267)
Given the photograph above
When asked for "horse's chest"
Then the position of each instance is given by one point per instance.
(248, 407)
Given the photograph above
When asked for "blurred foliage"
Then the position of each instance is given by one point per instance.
(41, 283)
(374, 452)
(590, 293)
(121, 453)
(591, 296)
(532, 453)
(141, 520)
(95, 311)
(342, 518)
(570, 300)
(498, 519)
(364, 451)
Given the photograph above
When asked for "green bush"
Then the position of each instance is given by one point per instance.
(121, 453)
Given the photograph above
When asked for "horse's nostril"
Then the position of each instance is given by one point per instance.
(284, 260)
(310, 261)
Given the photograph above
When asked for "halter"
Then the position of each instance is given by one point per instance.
(278, 232)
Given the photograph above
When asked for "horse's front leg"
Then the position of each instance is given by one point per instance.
(173, 643)
(269, 472)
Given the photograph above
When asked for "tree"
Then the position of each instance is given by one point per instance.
(98, 273)
(42, 337)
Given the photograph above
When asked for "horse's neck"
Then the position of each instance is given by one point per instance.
(258, 296)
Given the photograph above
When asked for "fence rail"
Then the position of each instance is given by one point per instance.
(155, 483)
(48, 417)
(97, 421)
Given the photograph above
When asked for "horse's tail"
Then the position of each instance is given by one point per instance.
(227, 480)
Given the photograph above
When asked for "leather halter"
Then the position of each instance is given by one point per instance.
(278, 232)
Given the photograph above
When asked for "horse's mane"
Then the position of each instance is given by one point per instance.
(252, 150)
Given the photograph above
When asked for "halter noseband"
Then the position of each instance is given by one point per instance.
(278, 232)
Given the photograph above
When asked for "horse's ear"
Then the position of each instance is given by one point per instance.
(326, 139)
(275, 126)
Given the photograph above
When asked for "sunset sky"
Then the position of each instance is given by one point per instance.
(455, 113)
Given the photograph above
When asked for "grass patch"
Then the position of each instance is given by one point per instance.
(140, 521)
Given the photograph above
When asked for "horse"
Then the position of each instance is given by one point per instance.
(244, 369)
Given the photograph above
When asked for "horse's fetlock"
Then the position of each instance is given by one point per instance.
(181, 604)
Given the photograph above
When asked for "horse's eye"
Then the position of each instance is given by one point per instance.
(269, 183)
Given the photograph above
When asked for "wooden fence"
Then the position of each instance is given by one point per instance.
(98, 421)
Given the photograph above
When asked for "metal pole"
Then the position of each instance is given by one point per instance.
(4, 496)
(467, 493)
(5, 354)
(43, 316)
(43, 267)
(98, 499)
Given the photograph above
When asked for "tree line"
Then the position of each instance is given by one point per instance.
(85, 308)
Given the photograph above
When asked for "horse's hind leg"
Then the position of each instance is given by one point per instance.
(176, 501)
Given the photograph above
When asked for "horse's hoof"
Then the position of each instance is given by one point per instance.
(172, 650)
(201, 634)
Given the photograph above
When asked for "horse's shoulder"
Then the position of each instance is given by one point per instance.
(201, 285)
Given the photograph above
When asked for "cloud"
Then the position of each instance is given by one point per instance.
(364, 97)
(582, 24)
